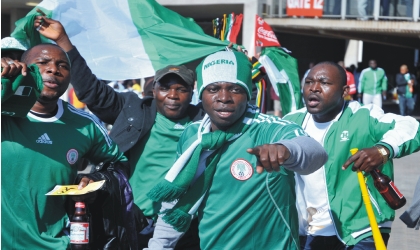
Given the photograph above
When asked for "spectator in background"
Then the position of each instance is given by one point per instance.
(385, 7)
(406, 83)
(373, 84)
(350, 83)
(408, 7)
(361, 9)
(356, 73)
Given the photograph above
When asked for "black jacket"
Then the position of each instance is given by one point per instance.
(402, 83)
(131, 116)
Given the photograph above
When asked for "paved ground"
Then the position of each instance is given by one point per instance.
(407, 173)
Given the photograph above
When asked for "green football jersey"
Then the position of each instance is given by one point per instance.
(151, 159)
(244, 209)
(37, 154)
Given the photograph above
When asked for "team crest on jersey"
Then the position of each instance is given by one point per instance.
(72, 156)
(344, 135)
(241, 169)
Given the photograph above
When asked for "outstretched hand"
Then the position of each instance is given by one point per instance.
(53, 30)
(270, 157)
(12, 68)
(365, 160)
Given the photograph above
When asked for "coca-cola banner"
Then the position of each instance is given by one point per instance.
(309, 8)
(264, 35)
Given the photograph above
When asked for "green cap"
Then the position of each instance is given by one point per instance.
(225, 66)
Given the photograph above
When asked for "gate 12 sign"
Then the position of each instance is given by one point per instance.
(310, 8)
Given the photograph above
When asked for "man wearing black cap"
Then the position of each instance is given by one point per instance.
(146, 130)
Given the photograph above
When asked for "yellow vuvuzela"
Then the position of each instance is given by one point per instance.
(377, 237)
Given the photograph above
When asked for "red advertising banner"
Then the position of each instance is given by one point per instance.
(310, 8)
(264, 35)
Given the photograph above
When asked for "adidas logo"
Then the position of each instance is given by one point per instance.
(178, 126)
(44, 139)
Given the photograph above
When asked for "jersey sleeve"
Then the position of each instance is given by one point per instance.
(103, 149)
(306, 154)
(401, 134)
(384, 82)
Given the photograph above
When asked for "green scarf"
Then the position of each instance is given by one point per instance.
(19, 93)
(177, 182)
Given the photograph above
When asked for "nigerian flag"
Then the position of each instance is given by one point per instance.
(282, 71)
(125, 39)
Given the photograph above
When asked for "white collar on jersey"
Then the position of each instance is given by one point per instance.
(57, 116)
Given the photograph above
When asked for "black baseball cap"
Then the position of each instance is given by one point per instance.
(186, 74)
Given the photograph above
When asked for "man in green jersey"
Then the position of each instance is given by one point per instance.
(373, 84)
(329, 201)
(42, 150)
(219, 171)
(146, 130)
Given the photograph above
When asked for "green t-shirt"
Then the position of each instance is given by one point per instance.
(243, 209)
(37, 154)
(152, 157)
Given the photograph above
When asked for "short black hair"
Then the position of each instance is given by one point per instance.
(26, 54)
(341, 71)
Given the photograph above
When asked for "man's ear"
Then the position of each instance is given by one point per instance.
(192, 93)
(154, 89)
(346, 90)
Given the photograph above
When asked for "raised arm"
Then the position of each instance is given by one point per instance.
(101, 99)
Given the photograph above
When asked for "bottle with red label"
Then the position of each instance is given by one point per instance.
(79, 228)
(388, 190)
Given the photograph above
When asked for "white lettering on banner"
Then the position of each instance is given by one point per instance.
(305, 4)
(319, 4)
(269, 35)
(260, 21)
(299, 4)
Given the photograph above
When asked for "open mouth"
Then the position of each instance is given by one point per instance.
(50, 84)
(313, 101)
(224, 113)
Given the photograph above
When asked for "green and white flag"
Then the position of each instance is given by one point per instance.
(282, 71)
(125, 39)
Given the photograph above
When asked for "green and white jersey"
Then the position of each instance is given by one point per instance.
(372, 81)
(151, 159)
(37, 154)
(243, 209)
(360, 127)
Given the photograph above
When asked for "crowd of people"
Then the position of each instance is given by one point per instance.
(209, 174)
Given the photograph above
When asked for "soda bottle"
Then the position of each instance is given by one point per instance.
(388, 190)
(79, 228)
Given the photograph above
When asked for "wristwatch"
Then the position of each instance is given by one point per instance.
(384, 154)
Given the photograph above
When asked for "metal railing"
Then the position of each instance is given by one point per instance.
(407, 10)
